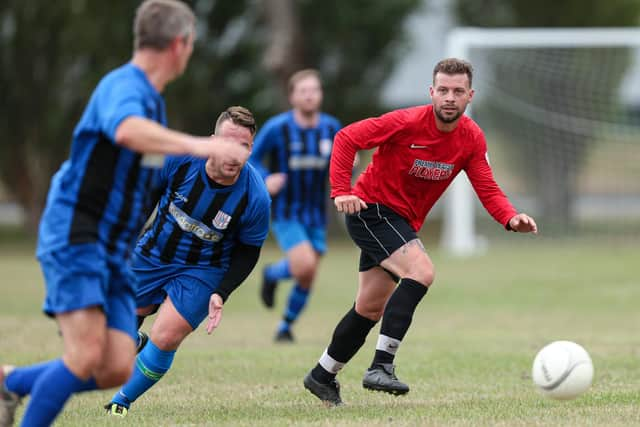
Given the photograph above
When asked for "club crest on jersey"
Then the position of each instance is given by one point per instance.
(221, 220)
(434, 171)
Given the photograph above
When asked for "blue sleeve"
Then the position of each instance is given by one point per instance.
(264, 143)
(336, 125)
(255, 225)
(117, 102)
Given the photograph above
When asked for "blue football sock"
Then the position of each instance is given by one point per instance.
(278, 270)
(283, 326)
(297, 301)
(21, 380)
(151, 365)
(49, 393)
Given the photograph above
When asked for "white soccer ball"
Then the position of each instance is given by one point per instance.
(562, 370)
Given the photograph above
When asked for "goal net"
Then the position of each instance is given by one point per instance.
(561, 112)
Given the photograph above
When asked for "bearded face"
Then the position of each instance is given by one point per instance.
(450, 95)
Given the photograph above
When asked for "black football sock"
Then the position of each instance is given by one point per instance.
(348, 337)
(397, 318)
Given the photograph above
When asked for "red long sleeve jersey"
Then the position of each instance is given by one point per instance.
(414, 163)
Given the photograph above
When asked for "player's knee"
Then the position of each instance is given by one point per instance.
(83, 358)
(372, 310)
(372, 314)
(85, 353)
(117, 365)
(166, 340)
(304, 270)
(115, 374)
(305, 281)
(422, 273)
(122, 373)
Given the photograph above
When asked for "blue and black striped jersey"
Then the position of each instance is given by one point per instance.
(199, 221)
(103, 193)
(303, 154)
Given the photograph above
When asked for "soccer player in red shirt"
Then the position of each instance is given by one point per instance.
(420, 151)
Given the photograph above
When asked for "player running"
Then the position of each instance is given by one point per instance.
(420, 152)
(96, 205)
(212, 220)
(298, 145)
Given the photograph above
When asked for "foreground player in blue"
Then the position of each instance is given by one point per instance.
(298, 144)
(212, 220)
(96, 205)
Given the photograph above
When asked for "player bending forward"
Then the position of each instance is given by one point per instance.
(213, 218)
(420, 152)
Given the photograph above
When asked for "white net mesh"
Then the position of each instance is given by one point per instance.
(563, 129)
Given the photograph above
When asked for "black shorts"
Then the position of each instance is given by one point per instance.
(378, 231)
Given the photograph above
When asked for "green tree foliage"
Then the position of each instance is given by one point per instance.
(551, 166)
(547, 13)
(52, 54)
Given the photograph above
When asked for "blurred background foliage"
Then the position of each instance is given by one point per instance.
(52, 54)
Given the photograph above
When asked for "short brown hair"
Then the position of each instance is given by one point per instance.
(158, 22)
(239, 116)
(300, 75)
(452, 66)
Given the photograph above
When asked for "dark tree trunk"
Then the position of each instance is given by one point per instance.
(285, 49)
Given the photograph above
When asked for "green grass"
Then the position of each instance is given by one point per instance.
(467, 356)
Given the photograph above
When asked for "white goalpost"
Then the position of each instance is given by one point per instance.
(482, 46)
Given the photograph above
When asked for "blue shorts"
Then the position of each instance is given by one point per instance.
(292, 233)
(79, 276)
(188, 294)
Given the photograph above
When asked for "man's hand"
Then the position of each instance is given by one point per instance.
(275, 182)
(523, 223)
(349, 204)
(222, 149)
(215, 312)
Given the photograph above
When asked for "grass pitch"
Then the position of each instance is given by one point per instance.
(467, 356)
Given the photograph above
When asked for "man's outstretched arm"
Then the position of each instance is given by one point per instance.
(243, 260)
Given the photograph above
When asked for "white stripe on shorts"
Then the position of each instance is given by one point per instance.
(392, 227)
(373, 235)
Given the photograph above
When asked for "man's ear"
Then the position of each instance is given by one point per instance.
(176, 44)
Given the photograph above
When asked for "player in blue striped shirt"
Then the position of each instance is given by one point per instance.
(96, 205)
(212, 220)
(298, 145)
